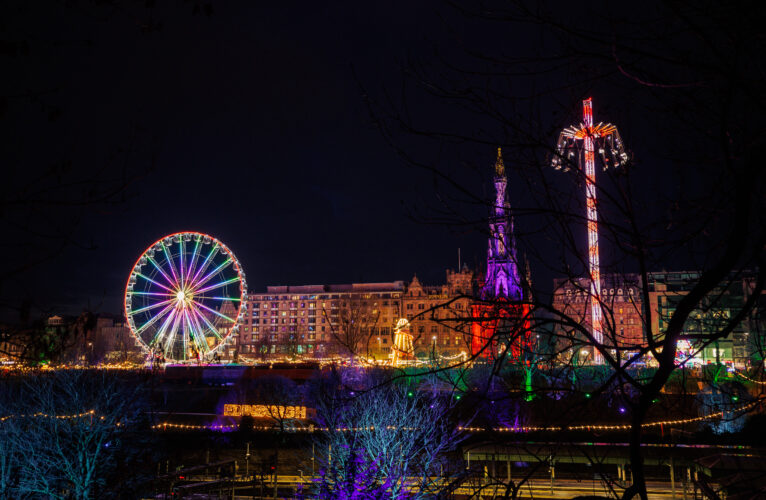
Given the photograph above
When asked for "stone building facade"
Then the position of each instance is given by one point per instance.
(357, 319)
(624, 315)
(440, 315)
(622, 322)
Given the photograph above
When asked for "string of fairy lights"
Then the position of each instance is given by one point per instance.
(621, 427)
(169, 426)
(742, 375)
(90, 415)
(164, 426)
(84, 414)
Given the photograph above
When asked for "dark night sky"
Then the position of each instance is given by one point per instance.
(249, 124)
(259, 134)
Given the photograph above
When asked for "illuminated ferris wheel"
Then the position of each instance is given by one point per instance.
(185, 296)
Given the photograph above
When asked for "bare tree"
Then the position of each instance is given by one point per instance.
(71, 427)
(352, 326)
(387, 440)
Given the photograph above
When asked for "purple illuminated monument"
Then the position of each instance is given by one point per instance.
(502, 278)
(501, 294)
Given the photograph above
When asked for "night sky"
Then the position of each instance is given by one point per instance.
(247, 123)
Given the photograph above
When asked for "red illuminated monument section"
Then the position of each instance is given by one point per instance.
(500, 318)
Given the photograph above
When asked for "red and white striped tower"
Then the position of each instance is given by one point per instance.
(578, 144)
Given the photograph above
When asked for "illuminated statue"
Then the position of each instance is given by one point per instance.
(402, 349)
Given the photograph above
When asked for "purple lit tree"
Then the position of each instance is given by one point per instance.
(386, 440)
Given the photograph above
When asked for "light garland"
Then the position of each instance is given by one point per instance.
(520, 429)
(46, 415)
(311, 428)
(169, 425)
(617, 427)
(759, 382)
(51, 368)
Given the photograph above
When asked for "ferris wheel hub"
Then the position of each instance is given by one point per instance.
(183, 297)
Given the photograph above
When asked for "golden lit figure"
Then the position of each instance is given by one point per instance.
(402, 349)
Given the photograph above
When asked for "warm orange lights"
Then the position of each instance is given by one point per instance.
(265, 411)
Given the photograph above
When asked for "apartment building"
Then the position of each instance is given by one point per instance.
(323, 321)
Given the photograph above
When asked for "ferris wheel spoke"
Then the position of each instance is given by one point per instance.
(184, 342)
(210, 325)
(163, 273)
(170, 262)
(150, 307)
(147, 278)
(154, 319)
(192, 331)
(153, 294)
(172, 334)
(233, 299)
(205, 263)
(193, 262)
(197, 332)
(188, 331)
(203, 306)
(195, 286)
(157, 339)
(181, 268)
(217, 285)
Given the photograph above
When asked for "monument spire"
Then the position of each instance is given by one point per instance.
(502, 279)
(501, 312)
(499, 165)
